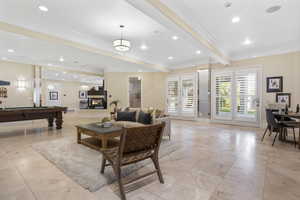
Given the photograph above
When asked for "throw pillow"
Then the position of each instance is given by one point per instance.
(126, 116)
(144, 118)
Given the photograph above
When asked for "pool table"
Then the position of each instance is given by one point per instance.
(33, 113)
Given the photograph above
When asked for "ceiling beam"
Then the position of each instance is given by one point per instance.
(179, 22)
(46, 37)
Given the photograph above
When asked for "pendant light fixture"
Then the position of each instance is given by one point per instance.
(121, 44)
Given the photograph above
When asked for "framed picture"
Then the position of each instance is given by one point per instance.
(274, 84)
(82, 94)
(53, 95)
(3, 92)
(284, 98)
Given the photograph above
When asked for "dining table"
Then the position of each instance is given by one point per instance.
(296, 124)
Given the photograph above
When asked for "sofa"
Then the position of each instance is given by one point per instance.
(134, 121)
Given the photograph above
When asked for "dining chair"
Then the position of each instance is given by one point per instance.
(280, 126)
(136, 144)
(290, 125)
(273, 125)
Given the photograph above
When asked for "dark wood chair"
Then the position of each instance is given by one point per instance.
(278, 126)
(290, 125)
(273, 125)
(136, 144)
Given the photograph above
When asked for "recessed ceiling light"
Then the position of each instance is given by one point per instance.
(175, 37)
(235, 20)
(227, 4)
(144, 47)
(64, 72)
(273, 9)
(56, 74)
(10, 50)
(43, 8)
(170, 58)
(198, 52)
(247, 41)
(61, 59)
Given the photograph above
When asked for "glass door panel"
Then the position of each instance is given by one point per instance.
(173, 95)
(223, 101)
(188, 95)
(247, 100)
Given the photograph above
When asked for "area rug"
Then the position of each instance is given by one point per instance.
(82, 164)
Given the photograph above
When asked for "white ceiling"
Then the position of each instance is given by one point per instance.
(96, 23)
(33, 51)
(271, 33)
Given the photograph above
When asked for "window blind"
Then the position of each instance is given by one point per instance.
(223, 94)
(246, 94)
(172, 96)
(188, 98)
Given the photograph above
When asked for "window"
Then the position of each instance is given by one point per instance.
(246, 94)
(188, 102)
(135, 88)
(172, 96)
(223, 95)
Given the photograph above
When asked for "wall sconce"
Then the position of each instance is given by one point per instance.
(22, 84)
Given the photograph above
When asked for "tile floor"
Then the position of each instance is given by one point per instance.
(214, 162)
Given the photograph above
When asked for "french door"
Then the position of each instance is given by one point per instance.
(236, 95)
(173, 95)
(182, 95)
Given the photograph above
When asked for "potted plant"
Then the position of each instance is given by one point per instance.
(115, 109)
(115, 103)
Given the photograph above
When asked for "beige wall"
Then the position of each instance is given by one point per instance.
(12, 72)
(68, 93)
(153, 88)
(153, 83)
(286, 65)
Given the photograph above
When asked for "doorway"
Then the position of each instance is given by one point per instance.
(135, 92)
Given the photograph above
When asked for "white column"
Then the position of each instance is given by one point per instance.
(37, 86)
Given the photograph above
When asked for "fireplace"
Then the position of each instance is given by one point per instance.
(97, 98)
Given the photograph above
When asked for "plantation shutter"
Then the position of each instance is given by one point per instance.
(246, 95)
(182, 95)
(223, 86)
(188, 95)
(173, 95)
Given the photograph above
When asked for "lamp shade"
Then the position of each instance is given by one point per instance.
(121, 45)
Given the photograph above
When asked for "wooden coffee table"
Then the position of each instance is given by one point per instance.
(99, 137)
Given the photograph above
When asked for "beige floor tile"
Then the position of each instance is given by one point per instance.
(213, 162)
